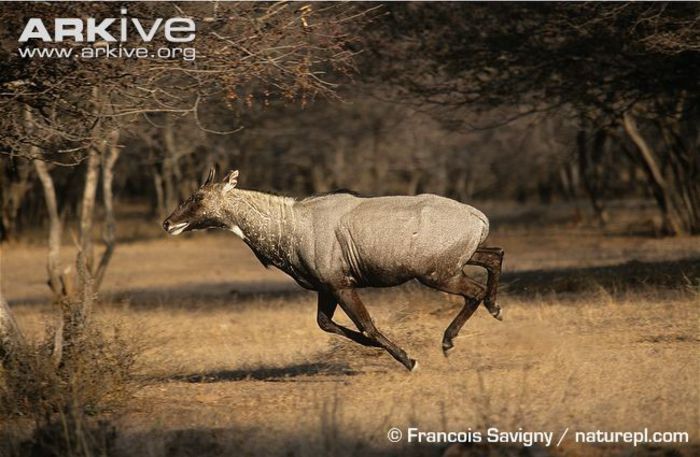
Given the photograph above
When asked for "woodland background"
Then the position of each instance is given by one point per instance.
(575, 126)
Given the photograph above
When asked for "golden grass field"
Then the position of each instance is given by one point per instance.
(600, 332)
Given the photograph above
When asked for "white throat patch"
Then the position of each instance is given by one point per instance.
(237, 230)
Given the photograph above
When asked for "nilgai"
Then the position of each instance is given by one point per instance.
(337, 243)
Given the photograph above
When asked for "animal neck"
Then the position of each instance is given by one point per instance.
(265, 222)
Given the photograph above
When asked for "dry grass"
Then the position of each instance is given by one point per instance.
(235, 364)
(62, 400)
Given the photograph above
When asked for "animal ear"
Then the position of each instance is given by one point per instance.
(230, 180)
(210, 178)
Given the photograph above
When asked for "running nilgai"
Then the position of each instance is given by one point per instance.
(339, 242)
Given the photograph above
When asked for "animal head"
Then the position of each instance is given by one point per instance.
(202, 209)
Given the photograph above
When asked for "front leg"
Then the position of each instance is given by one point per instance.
(353, 307)
(326, 308)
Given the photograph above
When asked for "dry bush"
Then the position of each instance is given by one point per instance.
(64, 400)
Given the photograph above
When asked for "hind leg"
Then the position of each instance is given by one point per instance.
(456, 325)
(473, 293)
(491, 259)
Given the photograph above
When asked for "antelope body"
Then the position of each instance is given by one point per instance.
(339, 242)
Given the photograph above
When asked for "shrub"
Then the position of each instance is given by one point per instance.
(64, 399)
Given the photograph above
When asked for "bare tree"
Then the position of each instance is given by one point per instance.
(74, 112)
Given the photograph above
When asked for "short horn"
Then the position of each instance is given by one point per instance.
(210, 178)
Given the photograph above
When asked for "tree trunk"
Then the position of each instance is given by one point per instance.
(320, 179)
(658, 183)
(61, 283)
(170, 168)
(57, 282)
(380, 164)
(10, 336)
(684, 162)
(160, 193)
(589, 169)
(109, 159)
(13, 192)
(414, 182)
(85, 257)
(87, 206)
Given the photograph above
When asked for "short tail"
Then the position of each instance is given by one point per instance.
(485, 224)
(484, 233)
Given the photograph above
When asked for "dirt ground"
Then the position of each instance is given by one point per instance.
(600, 333)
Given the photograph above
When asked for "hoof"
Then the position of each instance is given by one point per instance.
(447, 347)
(498, 314)
(414, 365)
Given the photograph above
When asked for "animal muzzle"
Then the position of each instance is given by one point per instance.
(174, 229)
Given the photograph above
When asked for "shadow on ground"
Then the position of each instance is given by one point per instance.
(683, 274)
(209, 295)
(198, 295)
(337, 442)
(680, 274)
(290, 373)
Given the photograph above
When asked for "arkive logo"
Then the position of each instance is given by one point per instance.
(110, 30)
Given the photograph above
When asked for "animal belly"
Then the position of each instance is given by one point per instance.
(380, 271)
(372, 262)
(389, 259)
(382, 262)
(384, 277)
(385, 248)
